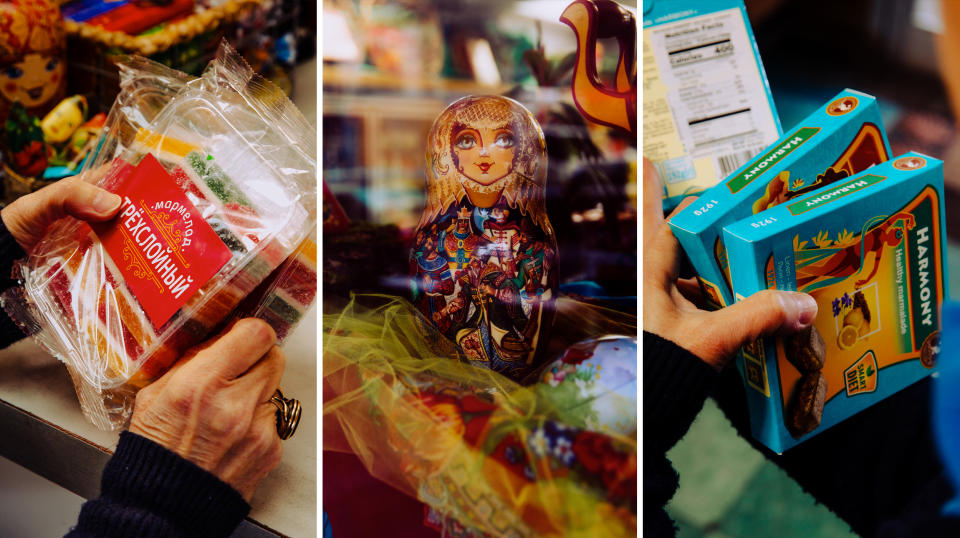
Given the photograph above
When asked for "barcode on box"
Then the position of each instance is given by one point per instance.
(728, 164)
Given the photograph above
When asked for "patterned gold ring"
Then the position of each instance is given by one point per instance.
(288, 414)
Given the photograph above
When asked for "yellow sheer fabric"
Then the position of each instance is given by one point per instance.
(467, 441)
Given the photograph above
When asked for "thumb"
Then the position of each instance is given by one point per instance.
(764, 313)
(75, 198)
(29, 216)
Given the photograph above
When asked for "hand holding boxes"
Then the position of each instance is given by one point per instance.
(812, 214)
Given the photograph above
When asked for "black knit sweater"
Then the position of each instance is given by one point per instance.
(10, 251)
(146, 490)
(878, 470)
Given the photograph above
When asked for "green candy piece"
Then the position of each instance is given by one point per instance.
(280, 307)
(216, 179)
(197, 162)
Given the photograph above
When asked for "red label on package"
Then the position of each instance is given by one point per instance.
(163, 248)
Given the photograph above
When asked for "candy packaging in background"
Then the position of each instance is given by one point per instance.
(218, 180)
(697, 138)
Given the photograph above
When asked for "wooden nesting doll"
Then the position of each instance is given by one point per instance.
(32, 81)
(484, 259)
(32, 48)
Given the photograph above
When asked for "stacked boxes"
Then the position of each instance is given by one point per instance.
(840, 139)
(869, 249)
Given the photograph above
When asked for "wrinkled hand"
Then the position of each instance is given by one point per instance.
(213, 409)
(669, 308)
(28, 217)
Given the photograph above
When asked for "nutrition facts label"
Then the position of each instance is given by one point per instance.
(705, 105)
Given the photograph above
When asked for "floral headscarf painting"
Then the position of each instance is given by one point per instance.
(483, 262)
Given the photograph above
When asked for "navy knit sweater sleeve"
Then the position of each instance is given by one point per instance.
(148, 491)
(10, 251)
(675, 385)
(896, 490)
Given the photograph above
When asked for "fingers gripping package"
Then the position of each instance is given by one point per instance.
(870, 250)
(217, 177)
(841, 138)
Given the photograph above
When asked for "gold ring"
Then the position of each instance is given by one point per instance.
(288, 414)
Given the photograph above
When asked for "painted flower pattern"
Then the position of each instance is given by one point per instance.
(538, 443)
(563, 451)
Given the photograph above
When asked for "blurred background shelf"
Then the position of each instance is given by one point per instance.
(363, 80)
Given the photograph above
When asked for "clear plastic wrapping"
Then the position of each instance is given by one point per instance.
(492, 456)
(283, 299)
(243, 158)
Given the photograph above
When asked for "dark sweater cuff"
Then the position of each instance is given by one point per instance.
(143, 474)
(10, 251)
(675, 385)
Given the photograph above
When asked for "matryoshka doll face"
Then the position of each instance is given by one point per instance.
(32, 81)
(32, 67)
(483, 154)
(484, 147)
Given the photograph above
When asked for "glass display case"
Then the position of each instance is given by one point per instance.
(381, 97)
(419, 390)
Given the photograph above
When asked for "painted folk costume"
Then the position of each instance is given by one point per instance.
(486, 170)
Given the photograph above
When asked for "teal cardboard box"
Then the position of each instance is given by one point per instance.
(843, 137)
(695, 138)
(870, 250)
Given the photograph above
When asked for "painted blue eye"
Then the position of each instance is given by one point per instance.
(504, 140)
(899, 234)
(13, 72)
(466, 141)
(52, 64)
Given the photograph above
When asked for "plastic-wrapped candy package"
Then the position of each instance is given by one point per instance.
(285, 296)
(218, 180)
